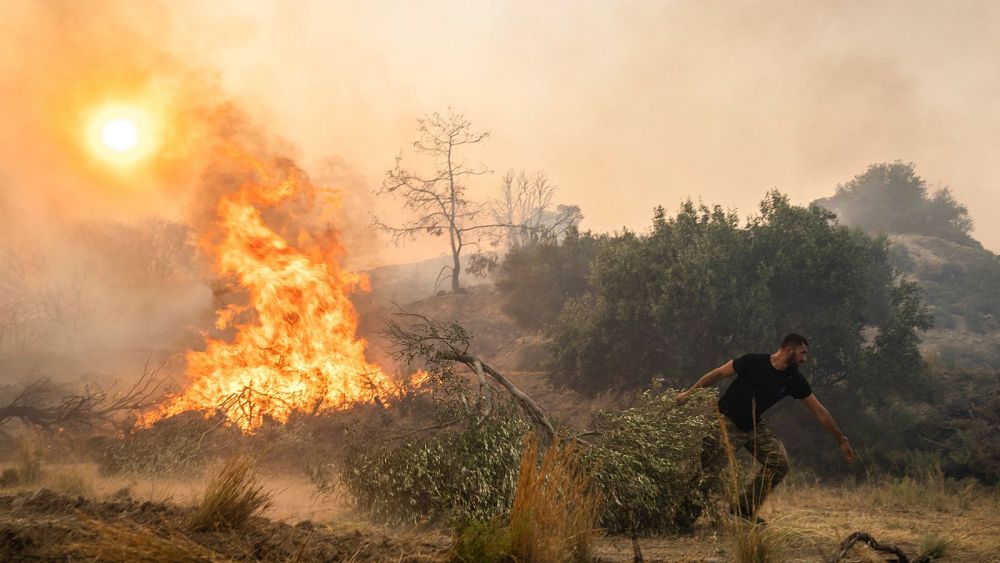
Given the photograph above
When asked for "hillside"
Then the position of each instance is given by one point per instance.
(960, 284)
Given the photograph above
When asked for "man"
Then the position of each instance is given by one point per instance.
(761, 381)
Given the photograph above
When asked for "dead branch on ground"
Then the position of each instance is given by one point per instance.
(41, 404)
(865, 537)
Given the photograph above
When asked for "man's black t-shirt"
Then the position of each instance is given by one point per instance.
(757, 387)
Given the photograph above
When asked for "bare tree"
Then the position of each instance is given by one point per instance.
(438, 200)
(525, 205)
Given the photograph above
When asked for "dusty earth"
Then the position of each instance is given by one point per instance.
(809, 521)
(117, 520)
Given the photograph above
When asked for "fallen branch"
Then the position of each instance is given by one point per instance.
(867, 538)
(41, 406)
(438, 343)
(534, 411)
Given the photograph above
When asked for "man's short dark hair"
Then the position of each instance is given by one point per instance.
(793, 339)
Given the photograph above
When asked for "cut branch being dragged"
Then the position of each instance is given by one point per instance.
(415, 336)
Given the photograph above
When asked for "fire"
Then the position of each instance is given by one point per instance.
(299, 351)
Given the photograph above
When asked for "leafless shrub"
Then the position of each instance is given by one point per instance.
(43, 406)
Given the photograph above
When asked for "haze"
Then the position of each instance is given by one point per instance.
(625, 105)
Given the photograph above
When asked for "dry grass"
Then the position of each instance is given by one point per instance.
(72, 481)
(30, 452)
(822, 517)
(751, 543)
(232, 498)
(555, 506)
(759, 543)
(935, 545)
(132, 542)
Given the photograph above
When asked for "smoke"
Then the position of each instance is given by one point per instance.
(629, 105)
(103, 258)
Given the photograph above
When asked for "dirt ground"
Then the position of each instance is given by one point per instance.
(810, 521)
(75, 514)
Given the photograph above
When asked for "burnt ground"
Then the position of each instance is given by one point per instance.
(49, 526)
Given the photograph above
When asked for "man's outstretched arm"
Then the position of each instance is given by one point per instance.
(710, 378)
(826, 419)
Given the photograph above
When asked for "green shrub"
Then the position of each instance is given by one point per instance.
(649, 458)
(465, 472)
(481, 542)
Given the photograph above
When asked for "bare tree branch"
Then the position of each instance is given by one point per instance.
(40, 404)
(434, 342)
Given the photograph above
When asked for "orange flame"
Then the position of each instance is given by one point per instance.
(300, 351)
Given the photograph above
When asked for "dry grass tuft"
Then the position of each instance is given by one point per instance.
(30, 452)
(232, 498)
(132, 542)
(935, 545)
(758, 543)
(555, 506)
(752, 542)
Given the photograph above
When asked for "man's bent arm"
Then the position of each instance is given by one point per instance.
(710, 378)
(826, 420)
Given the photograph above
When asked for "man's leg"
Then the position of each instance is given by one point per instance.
(770, 453)
(715, 456)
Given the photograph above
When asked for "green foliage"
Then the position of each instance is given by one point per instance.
(466, 472)
(700, 289)
(481, 542)
(894, 357)
(649, 458)
(892, 198)
(536, 280)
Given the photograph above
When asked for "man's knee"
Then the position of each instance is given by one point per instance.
(781, 467)
(774, 458)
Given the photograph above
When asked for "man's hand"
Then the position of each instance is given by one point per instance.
(683, 396)
(847, 451)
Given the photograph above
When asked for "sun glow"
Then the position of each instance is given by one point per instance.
(122, 135)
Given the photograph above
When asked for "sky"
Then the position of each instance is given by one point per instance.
(624, 105)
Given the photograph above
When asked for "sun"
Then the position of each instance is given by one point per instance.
(121, 134)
